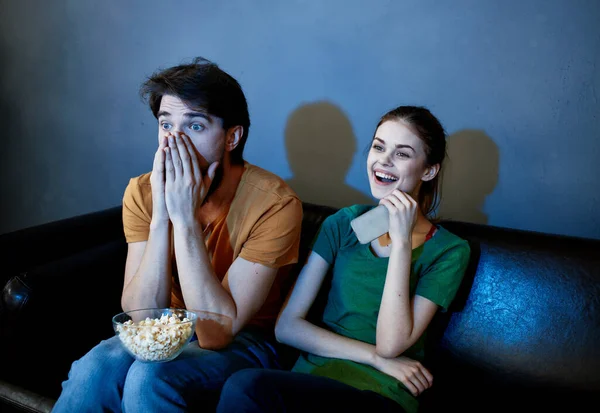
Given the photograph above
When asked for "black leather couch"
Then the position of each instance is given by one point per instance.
(522, 335)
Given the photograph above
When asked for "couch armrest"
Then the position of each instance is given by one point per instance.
(15, 397)
(53, 309)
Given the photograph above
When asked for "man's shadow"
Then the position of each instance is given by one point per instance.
(320, 147)
(470, 174)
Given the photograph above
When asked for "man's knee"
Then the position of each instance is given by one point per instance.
(155, 384)
(102, 363)
(144, 375)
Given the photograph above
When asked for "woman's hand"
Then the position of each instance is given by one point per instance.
(409, 372)
(402, 210)
(157, 183)
(185, 185)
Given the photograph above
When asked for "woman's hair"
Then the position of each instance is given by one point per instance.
(203, 85)
(429, 129)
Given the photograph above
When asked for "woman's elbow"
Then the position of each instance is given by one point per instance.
(391, 349)
(386, 351)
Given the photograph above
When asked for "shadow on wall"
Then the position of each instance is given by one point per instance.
(320, 147)
(470, 175)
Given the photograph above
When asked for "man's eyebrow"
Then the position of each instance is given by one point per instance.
(198, 115)
(399, 146)
(187, 115)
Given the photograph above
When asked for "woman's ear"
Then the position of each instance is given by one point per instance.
(234, 136)
(430, 172)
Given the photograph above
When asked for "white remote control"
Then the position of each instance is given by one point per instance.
(371, 225)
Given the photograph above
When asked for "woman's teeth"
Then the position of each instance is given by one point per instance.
(385, 177)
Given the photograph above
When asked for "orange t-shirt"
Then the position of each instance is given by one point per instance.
(262, 225)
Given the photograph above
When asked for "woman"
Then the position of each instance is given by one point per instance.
(383, 295)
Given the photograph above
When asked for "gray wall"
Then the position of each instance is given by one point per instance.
(516, 83)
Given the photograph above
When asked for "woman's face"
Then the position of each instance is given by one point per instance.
(397, 160)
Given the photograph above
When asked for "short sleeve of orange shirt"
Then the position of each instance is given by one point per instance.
(137, 209)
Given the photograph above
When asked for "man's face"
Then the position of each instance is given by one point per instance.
(205, 131)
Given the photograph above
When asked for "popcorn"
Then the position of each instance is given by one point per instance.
(155, 339)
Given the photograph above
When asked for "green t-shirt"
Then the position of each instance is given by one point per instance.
(357, 285)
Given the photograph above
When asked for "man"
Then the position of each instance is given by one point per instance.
(206, 231)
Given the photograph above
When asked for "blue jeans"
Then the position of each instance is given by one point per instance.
(277, 391)
(107, 378)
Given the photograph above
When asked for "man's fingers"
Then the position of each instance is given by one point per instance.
(158, 166)
(163, 141)
(210, 175)
(169, 172)
(212, 170)
(186, 166)
(195, 161)
(175, 157)
(159, 161)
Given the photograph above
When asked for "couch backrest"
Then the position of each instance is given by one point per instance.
(36, 246)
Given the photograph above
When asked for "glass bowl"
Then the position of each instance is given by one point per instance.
(155, 334)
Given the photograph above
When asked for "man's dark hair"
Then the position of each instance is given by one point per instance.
(202, 85)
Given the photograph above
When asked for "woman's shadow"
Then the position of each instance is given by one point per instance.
(320, 147)
(470, 174)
